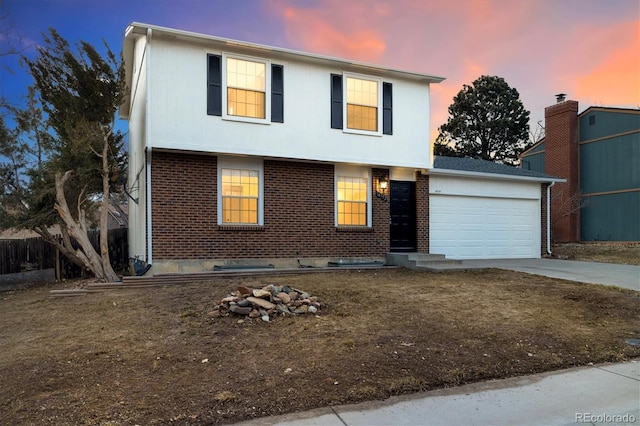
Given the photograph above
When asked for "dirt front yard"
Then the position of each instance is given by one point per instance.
(157, 356)
(626, 253)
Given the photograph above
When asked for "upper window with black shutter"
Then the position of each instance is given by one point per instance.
(361, 104)
(245, 89)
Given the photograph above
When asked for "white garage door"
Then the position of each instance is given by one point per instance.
(465, 227)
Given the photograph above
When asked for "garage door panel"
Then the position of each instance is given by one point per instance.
(484, 228)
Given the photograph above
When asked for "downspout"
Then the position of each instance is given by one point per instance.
(549, 218)
(148, 147)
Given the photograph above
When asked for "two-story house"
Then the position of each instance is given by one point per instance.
(249, 154)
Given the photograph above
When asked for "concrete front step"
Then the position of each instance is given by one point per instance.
(443, 262)
(426, 257)
(429, 261)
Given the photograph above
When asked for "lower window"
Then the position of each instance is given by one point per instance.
(352, 201)
(240, 195)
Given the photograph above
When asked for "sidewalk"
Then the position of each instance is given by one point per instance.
(602, 394)
(625, 276)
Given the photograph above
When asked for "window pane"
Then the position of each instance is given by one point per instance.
(245, 103)
(362, 92)
(240, 191)
(362, 117)
(352, 201)
(362, 104)
(246, 86)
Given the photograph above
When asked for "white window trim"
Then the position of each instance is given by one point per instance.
(267, 94)
(344, 104)
(352, 171)
(246, 164)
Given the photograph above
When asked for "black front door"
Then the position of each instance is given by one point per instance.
(403, 216)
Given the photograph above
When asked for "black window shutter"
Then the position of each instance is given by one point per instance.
(387, 104)
(277, 94)
(214, 85)
(336, 101)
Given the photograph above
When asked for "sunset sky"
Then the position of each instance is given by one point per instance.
(589, 49)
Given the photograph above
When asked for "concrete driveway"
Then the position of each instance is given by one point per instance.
(626, 276)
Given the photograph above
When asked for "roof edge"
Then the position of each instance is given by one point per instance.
(528, 150)
(493, 176)
(610, 109)
(142, 28)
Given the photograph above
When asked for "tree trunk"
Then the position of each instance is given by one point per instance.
(104, 210)
(91, 259)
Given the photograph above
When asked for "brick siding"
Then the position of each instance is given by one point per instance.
(561, 160)
(298, 213)
(422, 212)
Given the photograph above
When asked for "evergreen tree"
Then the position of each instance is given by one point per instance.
(76, 153)
(488, 121)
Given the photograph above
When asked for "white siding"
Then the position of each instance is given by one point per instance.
(483, 219)
(137, 136)
(177, 98)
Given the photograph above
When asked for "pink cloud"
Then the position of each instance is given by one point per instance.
(615, 79)
(311, 30)
(582, 47)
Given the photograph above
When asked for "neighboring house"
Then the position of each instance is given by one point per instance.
(598, 153)
(249, 154)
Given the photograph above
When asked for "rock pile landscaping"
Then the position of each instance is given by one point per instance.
(266, 303)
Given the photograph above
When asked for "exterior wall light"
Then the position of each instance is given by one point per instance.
(383, 183)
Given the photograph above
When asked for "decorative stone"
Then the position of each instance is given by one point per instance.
(240, 310)
(265, 303)
(284, 297)
(268, 288)
(244, 290)
(261, 302)
(302, 309)
(243, 302)
(282, 309)
(260, 293)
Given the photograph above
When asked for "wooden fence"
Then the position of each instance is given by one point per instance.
(25, 255)
(35, 253)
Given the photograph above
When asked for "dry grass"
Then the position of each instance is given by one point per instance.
(610, 252)
(136, 356)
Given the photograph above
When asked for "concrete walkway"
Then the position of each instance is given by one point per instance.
(603, 394)
(626, 276)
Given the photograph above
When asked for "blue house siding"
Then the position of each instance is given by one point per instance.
(534, 159)
(596, 123)
(611, 217)
(610, 174)
(534, 162)
(610, 164)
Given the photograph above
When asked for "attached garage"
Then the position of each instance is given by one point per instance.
(484, 215)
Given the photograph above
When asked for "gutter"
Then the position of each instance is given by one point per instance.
(549, 218)
(492, 176)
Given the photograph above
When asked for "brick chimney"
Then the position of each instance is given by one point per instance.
(561, 160)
